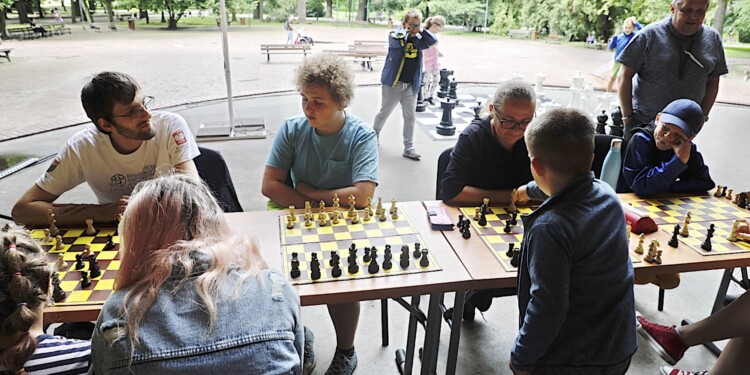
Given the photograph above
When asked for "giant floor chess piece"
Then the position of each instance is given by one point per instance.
(452, 92)
(444, 83)
(421, 103)
(617, 127)
(477, 110)
(601, 123)
(446, 127)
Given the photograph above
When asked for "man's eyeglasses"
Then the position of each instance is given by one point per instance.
(136, 113)
(412, 24)
(510, 125)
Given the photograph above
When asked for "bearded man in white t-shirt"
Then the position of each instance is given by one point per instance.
(126, 144)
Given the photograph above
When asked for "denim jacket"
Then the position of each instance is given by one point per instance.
(575, 280)
(258, 330)
(397, 40)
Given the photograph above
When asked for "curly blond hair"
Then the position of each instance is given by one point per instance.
(327, 71)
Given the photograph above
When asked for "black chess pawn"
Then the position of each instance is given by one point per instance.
(94, 269)
(514, 260)
(673, 241)
(373, 267)
(336, 270)
(366, 258)
(79, 262)
(509, 253)
(507, 228)
(334, 258)
(85, 282)
(424, 261)
(110, 243)
(421, 103)
(294, 272)
(724, 191)
(353, 267)
(314, 267)
(58, 294)
(742, 200)
(477, 110)
(465, 231)
(416, 252)
(514, 218)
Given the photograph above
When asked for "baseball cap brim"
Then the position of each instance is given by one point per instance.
(674, 120)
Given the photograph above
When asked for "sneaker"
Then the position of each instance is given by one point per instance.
(342, 364)
(663, 339)
(666, 370)
(308, 362)
(412, 154)
(469, 312)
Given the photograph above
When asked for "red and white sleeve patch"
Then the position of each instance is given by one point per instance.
(179, 137)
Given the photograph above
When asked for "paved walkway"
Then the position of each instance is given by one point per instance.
(41, 85)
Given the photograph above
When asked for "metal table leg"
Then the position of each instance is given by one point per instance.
(405, 359)
(432, 335)
(458, 308)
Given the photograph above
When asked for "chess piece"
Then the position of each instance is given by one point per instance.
(393, 206)
(651, 254)
(86, 251)
(387, 256)
(733, 232)
(452, 92)
(421, 103)
(706, 245)
(47, 236)
(617, 128)
(336, 266)
(394, 213)
(486, 205)
(366, 257)
(85, 281)
(322, 218)
(90, 230)
(368, 205)
(685, 232)
(366, 218)
(79, 262)
(335, 219)
(601, 123)
(514, 260)
(110, 243)
(446, 127)
(657, 259)
(477, 110)
(416, 254)
(507, 228)
(736, 199)
(355, 216)
(742, 200)
(729, 194)
(292, 214)
(308, 208)
(424, 261)
(289, 222)
(322, 206)
(294, 272)
(511, 247)
(94, 270)
(314, 266)
(717, 193)
(352, 203)
(382, 216)
(477, 213)
(61, 265)
(308, 220)
(53, 230)
(404, 257)
(353, 266)
(514, 218)
(58, 294)
(335, 200)
(639, 248)
(482, 219)
(465, 231)
(379, 207)
(373, 267)
(59, 245)
(512, 206)
(673, 241)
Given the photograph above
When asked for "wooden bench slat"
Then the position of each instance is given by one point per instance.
(268, 49)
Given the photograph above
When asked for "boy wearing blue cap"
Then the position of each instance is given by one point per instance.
(661, 158)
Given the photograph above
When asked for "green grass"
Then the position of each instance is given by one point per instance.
(741, 51)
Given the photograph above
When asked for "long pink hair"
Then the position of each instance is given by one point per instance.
(168, 221)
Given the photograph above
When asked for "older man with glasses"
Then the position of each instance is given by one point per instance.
(489, 160)
(126, 144)
(402, 76)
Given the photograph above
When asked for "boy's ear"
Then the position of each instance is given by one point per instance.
(538, 166)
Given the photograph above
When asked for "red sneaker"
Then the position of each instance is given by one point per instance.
(666, 370)
(663, 339)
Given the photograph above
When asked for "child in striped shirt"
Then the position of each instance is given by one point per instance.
(25, 289)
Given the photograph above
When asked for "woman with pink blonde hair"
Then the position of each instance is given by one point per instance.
(190, 297)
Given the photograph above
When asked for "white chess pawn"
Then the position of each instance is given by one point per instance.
(639, 248)
(61, 265)
(90, 230)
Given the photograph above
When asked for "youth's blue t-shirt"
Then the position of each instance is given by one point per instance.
(326, 163)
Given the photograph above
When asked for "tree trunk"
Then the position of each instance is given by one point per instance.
(62, 4)
(74, 11)
(719, 14)
(3, 33)
(258, 11)
(362, 11)
(38, 4)
(172, 23)
(329, 8)
(163, 20)
(110, 13)
(234, 15)
(23, 16)
(301, 11)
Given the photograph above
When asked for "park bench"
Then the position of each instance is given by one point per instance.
(22, 33)
(554, 38)
(595, 45)
(269, 49)
(363, 53)
(61, 29)
(6, 51)
(523, 33)
(97, 28)
(371, 43)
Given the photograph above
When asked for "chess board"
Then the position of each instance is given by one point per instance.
(323, 240)
(494, 236)
(462, 115)
(702, 209)
(720, 245)
(70, 278)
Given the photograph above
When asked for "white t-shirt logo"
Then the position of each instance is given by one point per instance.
(179, 137)
(118, 179)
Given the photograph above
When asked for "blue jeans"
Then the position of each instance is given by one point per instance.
(617, 369)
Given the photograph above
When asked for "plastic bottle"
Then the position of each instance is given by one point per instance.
(612, 164)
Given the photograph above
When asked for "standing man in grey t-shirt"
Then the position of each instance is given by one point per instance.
(672, 59)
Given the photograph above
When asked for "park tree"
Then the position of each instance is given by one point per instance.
(459, 12)
(4, 7)
(719, 15)
(362, 11)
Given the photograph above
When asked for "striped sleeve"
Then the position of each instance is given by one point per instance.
(59, 355)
